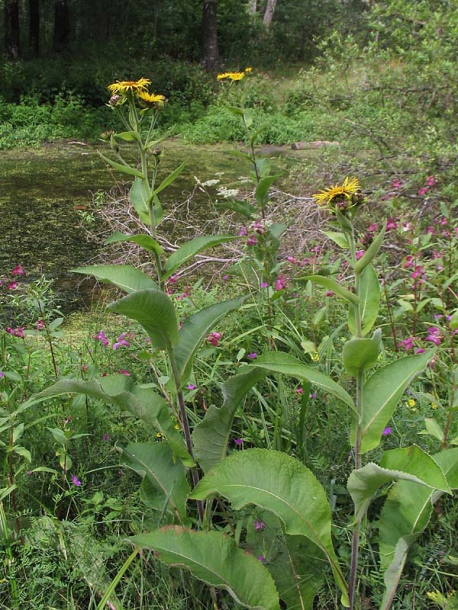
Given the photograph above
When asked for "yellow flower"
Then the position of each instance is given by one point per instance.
(129, 86)
(151, 98)
(233, 76)
(248, 70)
(411, 402)
(340, 197)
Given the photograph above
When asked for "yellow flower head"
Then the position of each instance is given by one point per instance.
(233, 76)
(340, 197)
(248, 70)
(150, 99)
(129, 86)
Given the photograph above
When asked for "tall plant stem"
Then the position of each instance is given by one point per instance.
(186, 428)
(352, 589)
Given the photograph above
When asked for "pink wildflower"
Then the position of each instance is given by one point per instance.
(423, 190)
(434, 335)
(214, 338)
(391, 224)
(121, 342)
(18, 270)
(75, 480)
(280, 284)
(102, 337)
(259, 525)
(12, 286)
(430, 181)
(16, 332)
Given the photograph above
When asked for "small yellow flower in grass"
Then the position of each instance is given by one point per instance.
(340, 197)
(129, 86)
(248, 70)
(150, 99)
(411, 402)
(232, 76)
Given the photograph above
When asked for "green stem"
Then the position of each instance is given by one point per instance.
(352, 588)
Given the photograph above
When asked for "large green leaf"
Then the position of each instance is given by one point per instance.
(193, 247)
(194, 330)
(369, 301)
(121, 391)
(140, 196)
(155, 312)
(143, 240)
(156, 462)
(330, 284)
(358, 355)
(409, 463)
(211, 436)
(217, 560)
(295, 563)
(279, 362)
(404, 516)
(381, 394)
(125, 277)
(281, 484)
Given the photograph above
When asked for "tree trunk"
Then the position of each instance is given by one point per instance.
(210, 35)
(12, 44)
(61, 33)
(268, 15)
(34, 27)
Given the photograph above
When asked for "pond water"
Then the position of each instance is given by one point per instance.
(44, 192)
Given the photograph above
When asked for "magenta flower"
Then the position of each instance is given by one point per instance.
(391, 224)
(16, 332)
(123, 372)
(191, 386)
(259, 525)
(261, 558)
(18, 270)
(75, 480)
(430, 181)
(299, 390)
(121, 342)
(242, 232)
(264, 285)
(252, 241)
(2, 374)
(280, 284)
(102, 337)
(214, 338)
(359, 254)
(40, 324)
(407, 343)
(106, 437)
(395, 184)
(12, 286)
(434, 335)
(423, 190)
(252, 356)
(238, 441)
(386, 431)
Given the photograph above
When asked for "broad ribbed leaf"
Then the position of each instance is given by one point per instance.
(211, 435)
(404, 516)
(125, 277)
(279, 362)
(358, 355)
(193, 247)
(121, 391)
(281, 484)
(144, 241)
(154, 311)
(369, 301)
(194, 330)
(330, 284)
(156, 461)
(381, 394)
(409, 463)
(295, 563)
(140, 196)
(217, 560)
